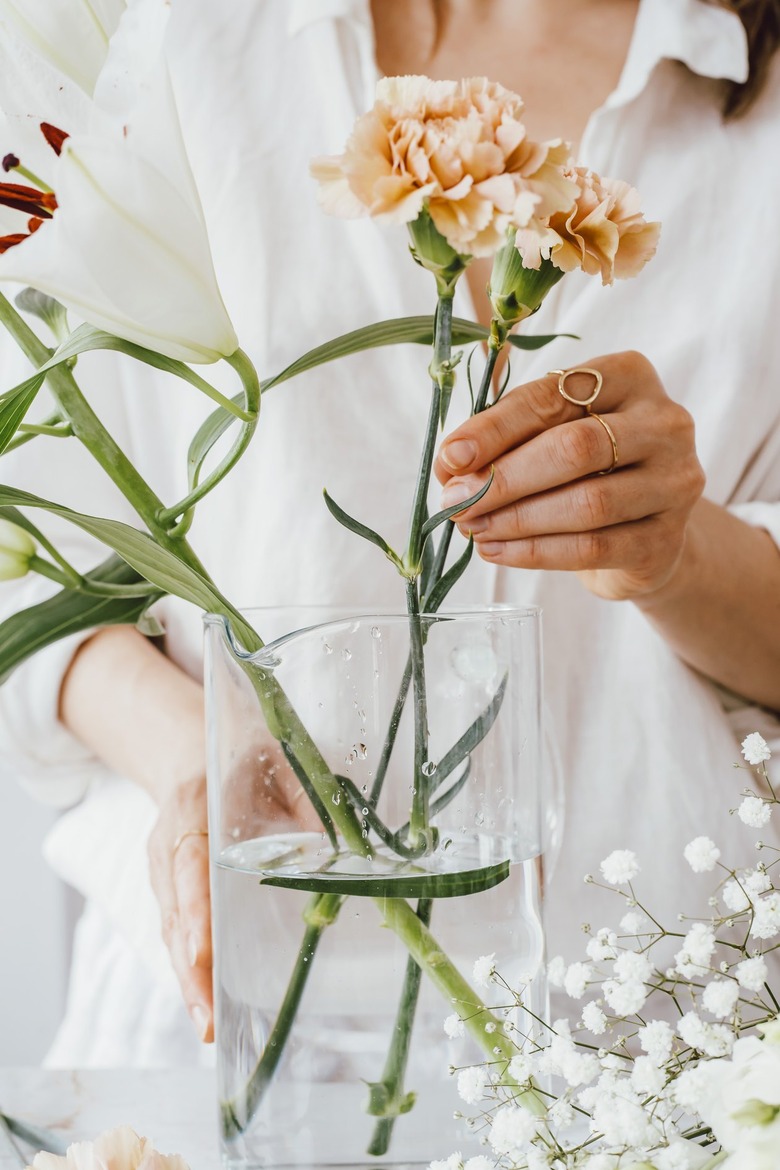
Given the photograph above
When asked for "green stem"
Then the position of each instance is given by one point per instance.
(88, 428)
(426, 952)
(236, 1114)
(398, 1055)
(418, 818)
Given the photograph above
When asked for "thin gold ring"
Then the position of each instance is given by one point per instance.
(586, 402)
(612, 439)
(182, 837)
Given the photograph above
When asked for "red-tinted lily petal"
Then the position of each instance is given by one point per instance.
(28, 199)
(53, 136)
(7, 242)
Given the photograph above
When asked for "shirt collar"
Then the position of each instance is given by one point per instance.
(709, 39)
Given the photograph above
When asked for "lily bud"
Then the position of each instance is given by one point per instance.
(515, 291)
(17, 547)
(430, 249)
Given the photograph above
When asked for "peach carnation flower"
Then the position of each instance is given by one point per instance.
(604, 232)
(117, 1149)
(457, 147)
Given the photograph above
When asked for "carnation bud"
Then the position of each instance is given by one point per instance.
(516, 291)
(17, 548)
(430, 249)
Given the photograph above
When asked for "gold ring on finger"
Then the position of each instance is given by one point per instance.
(612, 439)
(182, 837)
(562, 375)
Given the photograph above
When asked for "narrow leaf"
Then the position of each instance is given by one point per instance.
(14, 406)
(70, 612)
(442, 587)
(430, 525)
(475, 734)
(45, 308)
(401, 885)
(163, 568)
(361, 529)
(311, 793)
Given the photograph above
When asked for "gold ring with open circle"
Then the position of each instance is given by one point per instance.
(586, 402)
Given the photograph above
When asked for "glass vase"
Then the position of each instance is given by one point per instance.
(374, 813)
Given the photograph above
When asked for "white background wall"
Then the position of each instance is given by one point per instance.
(35, 922)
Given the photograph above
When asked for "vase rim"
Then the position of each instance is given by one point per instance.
(343, 613)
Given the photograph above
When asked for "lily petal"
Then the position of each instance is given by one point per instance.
(73, 35)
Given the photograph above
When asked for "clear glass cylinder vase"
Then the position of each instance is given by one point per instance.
(375, 791)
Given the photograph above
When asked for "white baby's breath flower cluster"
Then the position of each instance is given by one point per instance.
(696, 1087)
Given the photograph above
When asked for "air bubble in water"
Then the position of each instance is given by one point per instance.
(479, 818)
(376, 632)
(364, 833)
(326, 646)
(336, 798)
(361, 751)
(428, 768)
(350, 757)
(365, 812)
(346, 654)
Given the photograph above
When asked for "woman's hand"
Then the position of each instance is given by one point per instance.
(548, 508)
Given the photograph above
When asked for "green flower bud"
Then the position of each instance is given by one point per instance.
(755, 1112)
(16, 549)
(431, 250)
(771, 1031)
(515, 291)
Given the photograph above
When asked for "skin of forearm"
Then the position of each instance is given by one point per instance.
(136, 710)
(720, 611)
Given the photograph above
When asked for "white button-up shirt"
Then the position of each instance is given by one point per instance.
(645, 746)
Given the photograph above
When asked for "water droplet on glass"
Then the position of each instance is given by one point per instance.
(376, 632)
(320, 705)
(479, 818)
(365, 812)
(346, 654)
(350, 757)
(428, 768)
(336, 799)
(360, 713)
(326, 646)
(364, 833)
(364, 788)
(361, 750)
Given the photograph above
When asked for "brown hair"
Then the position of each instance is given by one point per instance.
(761, 19)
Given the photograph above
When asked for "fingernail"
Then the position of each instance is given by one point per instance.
(491, 548)
(192, 949)
(455, 493)
(201, 1019)
(459, 453)
(477, 525)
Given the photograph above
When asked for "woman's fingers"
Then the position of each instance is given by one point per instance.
(179, 870)
(583, 506)
(536, 407)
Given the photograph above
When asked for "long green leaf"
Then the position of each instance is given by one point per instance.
(475, 734)
(430, 525)
(70, 612)
(442, 587)
(361, 529)
(155, 564)
(87, 338)
(14, 406)
(46, 308)
(402, 885)
(398, 331)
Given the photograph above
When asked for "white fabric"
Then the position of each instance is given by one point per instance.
(646, 745)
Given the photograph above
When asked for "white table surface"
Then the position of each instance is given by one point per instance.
(175, 1109)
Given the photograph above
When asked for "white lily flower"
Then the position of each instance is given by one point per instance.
(16, 548)
(125, 245)
(73, 35)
